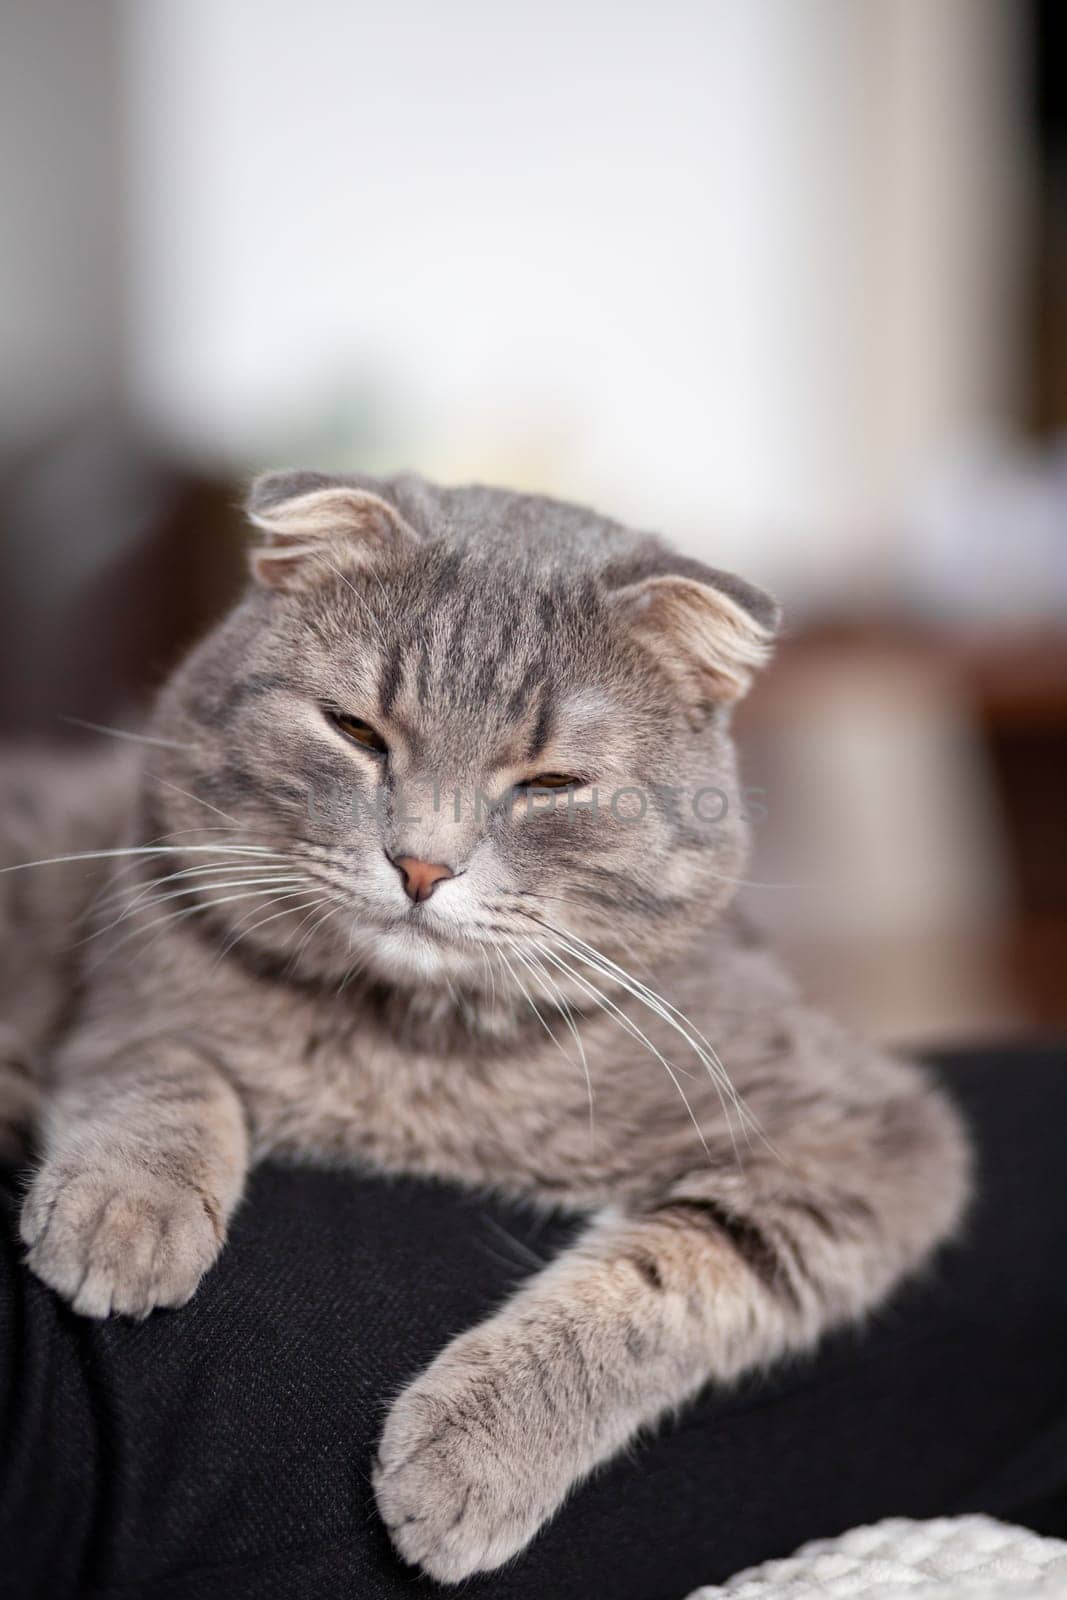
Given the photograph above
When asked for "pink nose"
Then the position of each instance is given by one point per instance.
(420, 877)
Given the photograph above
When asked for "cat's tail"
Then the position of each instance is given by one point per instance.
(19, 1099)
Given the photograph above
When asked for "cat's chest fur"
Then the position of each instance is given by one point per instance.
(526, 1114)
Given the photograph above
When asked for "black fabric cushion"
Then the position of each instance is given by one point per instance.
(223, 1451)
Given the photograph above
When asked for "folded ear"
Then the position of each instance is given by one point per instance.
(313, 524)
(711, 630)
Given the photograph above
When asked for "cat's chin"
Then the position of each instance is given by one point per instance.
(406, 955)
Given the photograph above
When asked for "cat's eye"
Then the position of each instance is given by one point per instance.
(360, 733)
(552, 780)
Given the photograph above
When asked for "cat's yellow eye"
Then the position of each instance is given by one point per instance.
(552, 780)
(360, 733)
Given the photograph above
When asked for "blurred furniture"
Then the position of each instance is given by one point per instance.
(917, 786)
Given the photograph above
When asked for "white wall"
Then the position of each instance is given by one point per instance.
(60, 209)
(738, 268)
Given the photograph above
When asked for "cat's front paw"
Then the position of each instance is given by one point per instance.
(118, 1240)
(474, 1457)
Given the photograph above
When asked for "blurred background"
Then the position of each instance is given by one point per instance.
(783, 279)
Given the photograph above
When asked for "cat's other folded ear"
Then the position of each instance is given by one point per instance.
(711, 630)
(314, 525)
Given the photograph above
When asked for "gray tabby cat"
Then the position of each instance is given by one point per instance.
(427, 877)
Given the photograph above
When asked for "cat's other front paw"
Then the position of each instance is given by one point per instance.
(473, 1459)
(118, 1240)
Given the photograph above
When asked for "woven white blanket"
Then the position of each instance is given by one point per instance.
(950, 1558)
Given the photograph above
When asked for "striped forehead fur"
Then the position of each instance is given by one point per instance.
(471, 544)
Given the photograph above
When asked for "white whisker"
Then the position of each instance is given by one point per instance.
(171, 917)
(123, 733)
(139, 850)
(627, 1023)
(190, 796)
(517, 981)
(534, 965)
(357, 966)
(141, 903)
(716, 1073)
(261, 864)
(701, 1046)
(123, 871)
(332, 905)
(231, 944)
